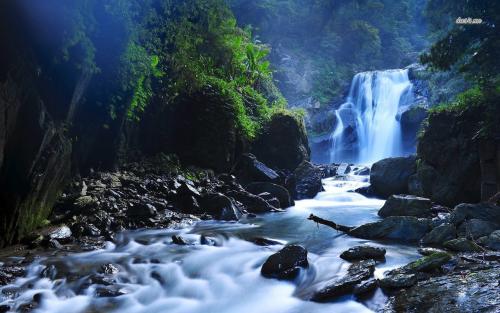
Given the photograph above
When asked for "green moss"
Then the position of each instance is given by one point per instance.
(472, 97)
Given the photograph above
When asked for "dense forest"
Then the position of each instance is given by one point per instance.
(233, 155)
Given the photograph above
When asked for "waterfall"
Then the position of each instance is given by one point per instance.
(367, 124)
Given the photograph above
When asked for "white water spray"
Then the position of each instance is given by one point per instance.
(368, 128)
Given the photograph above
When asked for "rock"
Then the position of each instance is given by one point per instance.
(475, 228)
(286, 263)
(84, 203)
(428, 263)
(178, 240)
(411, 120)
(363, 253)
(264, 241)
(307, 181)
(366, 191)
(462, 245)
(493, 241)
(366, 287)
(405, 228)
(405, 205)
(398, 281)
(8, 273)
(482, 211)
(390, 176)
(4, 308)
(428, 251)
(54, 244)
(356, 273)
(280, 192)
(221, 207)
(252, 203)
(109, 269)
(440, 234)
(140, 209)
(249, 169)
(449, 170)
(470, 289)
(282, 143)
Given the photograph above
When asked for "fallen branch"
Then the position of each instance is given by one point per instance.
(319, 220)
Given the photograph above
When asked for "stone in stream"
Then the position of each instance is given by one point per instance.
(307, 180)
(365, 287)
(251, 202)
(140, 209)
(178, 240)
(428, 251)
(356, 273)
(249, 169)
(260, 241)
(462, 245)
(286, 263)
(405, 228)
(406, 205)
(363, 253)
(440, 234)
(390, 176)
(280, 192)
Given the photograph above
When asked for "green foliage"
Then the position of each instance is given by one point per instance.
(471, 98)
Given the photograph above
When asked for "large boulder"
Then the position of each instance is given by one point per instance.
(404, 228)
(356, 273)
(493, 240)
(440, 234)
(249, 169)
(280, 192)
(286, 263)
(462, 245)
(307, 181)
(391, 176)
(405, 205)
(476, 228)
(449, 168)
(411, 120)
(283, 142)
(482, 211)
(251, 202)
(221, 207)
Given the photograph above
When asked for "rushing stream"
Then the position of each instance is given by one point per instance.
(150, 274)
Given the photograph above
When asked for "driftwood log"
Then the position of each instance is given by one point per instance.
(319, 220)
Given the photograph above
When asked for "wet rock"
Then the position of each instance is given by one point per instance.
(140, 209)
(250, 169)
(280, 192)
(475, 228)
(363, 253)
(406, 205)
(264, 241)
(221, 207)
(366, 191)
(398, 281)
(405, 228)
(468, 289)
(440, 234)
(178, 240)
(390, 176)
(61, 233)
(366, 287)
(110, 291)
(109, 269)
(482, 211)
(4, 308)
(493, 240)
(428, 263)
(286, 263)
(307, 180)
(54, 244)
(356, 273)
(10, 272)
(251, 202)
(462, 245)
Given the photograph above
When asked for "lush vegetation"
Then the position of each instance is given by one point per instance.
(319, 45)
(473, 50)
(167, 49)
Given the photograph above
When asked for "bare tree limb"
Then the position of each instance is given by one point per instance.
(319, 220)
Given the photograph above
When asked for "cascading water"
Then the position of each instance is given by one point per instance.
(368, 127)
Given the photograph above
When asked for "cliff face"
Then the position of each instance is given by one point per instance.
(449, 168)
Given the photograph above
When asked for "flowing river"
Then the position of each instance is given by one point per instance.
(151, 274)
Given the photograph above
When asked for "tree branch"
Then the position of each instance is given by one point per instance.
(319, 220)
